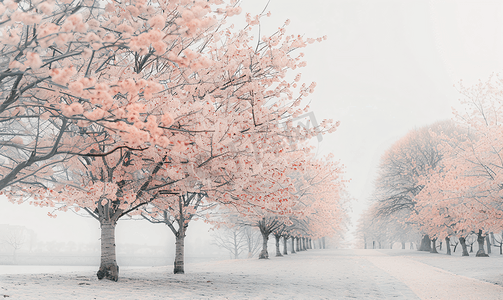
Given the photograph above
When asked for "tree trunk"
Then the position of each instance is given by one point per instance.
(297, 244)
(235, 242)
(448, 245)
(319, 243)
(278, 251)
(462, 241)
(403, 245)
(285, 248)
(323, 241)
(481, 239)
(108, 267)
(179, 252)
(303, 243)
(425, 243)
(434, 246)
(440, 246)
(488, 244)
(293, 244)
(264, 254)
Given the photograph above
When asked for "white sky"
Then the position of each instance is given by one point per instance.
(387, 67)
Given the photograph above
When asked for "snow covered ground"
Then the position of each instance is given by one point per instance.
(313, 274)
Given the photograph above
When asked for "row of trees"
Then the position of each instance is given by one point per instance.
(444, 181)
(239, 240)
(159, 110)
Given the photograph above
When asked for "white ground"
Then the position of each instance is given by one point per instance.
(313, 274)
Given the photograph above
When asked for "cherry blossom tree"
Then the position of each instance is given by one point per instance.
(176, 212)
(462, 197)
(74, 73)
(400, 181)
(197, 101)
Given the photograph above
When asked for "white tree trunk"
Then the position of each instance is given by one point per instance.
(108, 267)
(179, 252)
(264, 254)
(278, 251)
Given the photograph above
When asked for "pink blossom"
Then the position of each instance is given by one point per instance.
(87, 81)
(96, 114)
(48, 29)
(133, 10)
(72, 109)
(62, 76)
(11, 37)
(92, 37)
(86, 53)
(74, 23)
(157, 22)
(160, 47)
(167, 119)
(109, 7)
(10, 4)
(125, 28)
(77, 88)
(17, 140)
(46, 7)
(26, 18)
(45, 116)
(33, 60)
(17, 65)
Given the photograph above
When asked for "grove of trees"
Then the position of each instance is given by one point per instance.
(161, 110)
(441, 184)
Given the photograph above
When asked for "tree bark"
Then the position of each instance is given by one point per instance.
(403, 245)
(434, 246)
(297, 244)
(480, 240)
(425, 243)
(278, 251)
(448, 245)
(264, 254)
(488, 244)
(293, 244)
(285, 248)
(323, 242)
(319, 243)
(108, 266)
(179, 252)
(462, 241)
